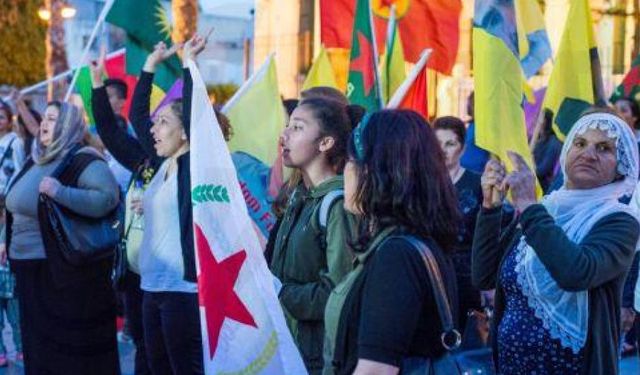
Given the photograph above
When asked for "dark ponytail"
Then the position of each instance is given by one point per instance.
(335, 121)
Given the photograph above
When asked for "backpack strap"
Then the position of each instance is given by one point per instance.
(325, 206)
(323, 214)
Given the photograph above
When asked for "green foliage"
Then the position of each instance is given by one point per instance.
(22, 43)
(222, 92)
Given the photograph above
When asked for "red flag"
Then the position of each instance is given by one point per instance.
(422, 24)
(116, 68)
(416, 97)
(412, 94)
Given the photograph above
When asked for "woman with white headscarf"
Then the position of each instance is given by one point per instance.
(67, 313)
(559, 268)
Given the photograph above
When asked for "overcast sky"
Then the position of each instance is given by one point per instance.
(239, 8)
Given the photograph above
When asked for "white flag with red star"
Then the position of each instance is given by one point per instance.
(243, 326)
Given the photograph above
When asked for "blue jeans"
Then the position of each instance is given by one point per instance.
(172, 333)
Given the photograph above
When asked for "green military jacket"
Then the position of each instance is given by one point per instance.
(307, 269)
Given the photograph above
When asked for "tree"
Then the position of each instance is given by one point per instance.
(22, 47)
(185, 19)
(56, 61)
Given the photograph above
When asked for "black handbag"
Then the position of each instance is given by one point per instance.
(81, 239)
(452, 362)
(120, 264)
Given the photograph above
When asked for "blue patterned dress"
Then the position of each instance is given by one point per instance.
(524, 346)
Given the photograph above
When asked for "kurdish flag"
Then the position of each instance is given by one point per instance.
(412, 94)
(242, 323)
(423, 24)
(257, 114)
(499, 115)
(146, 24)
(393, 70)
(576, 79)
(363, 87)
(321, 72)
(630, 86)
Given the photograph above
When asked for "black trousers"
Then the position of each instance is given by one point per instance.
(133, 314)
(67, 330)
(172, 333)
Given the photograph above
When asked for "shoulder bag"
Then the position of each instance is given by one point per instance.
(80, 239)
(452, 362)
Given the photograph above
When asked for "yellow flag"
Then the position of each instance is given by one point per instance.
(340, 58)
(321, 72)
(392, 67)
(257, 115)
(499, 90)
(576, 81)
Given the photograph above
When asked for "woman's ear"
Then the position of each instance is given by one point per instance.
(326, 143)
(183, 136)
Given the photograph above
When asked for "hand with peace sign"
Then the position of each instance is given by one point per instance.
(159, 54)
(521, 182)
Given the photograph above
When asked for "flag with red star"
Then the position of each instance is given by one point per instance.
(630, 86)
(243, 326)
(363, 87)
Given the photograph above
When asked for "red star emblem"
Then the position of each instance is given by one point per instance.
(215, 290)
(631, 80)
(363, 63)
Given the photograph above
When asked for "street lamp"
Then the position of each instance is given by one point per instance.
(66, 11)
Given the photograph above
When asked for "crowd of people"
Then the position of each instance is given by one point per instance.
(388, 227)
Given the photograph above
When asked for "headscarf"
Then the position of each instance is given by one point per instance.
(565, 314)
(69, 131)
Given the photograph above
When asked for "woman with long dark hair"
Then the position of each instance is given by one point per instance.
(397, 183)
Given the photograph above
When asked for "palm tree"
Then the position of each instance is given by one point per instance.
(56, 53)
(185, 15)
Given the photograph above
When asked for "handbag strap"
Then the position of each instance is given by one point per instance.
(66, 161)
(450, 338)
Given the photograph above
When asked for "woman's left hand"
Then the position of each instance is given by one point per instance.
(193, 47)
(50, 186)
(521, 182)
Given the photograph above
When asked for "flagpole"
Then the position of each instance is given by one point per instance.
(394, 102)
(87, 48)
(44, 83)
(375, 54)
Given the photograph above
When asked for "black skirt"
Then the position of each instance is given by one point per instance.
(66, 330)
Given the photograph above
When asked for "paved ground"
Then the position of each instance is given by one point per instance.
(629, 366)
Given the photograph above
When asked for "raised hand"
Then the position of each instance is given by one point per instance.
(491, 182)
(193, 47)
(521, 183)
(97, 68)
(159, 54)
(15, 95)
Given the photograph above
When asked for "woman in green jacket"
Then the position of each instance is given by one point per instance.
(311, 253)
(560, 267)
